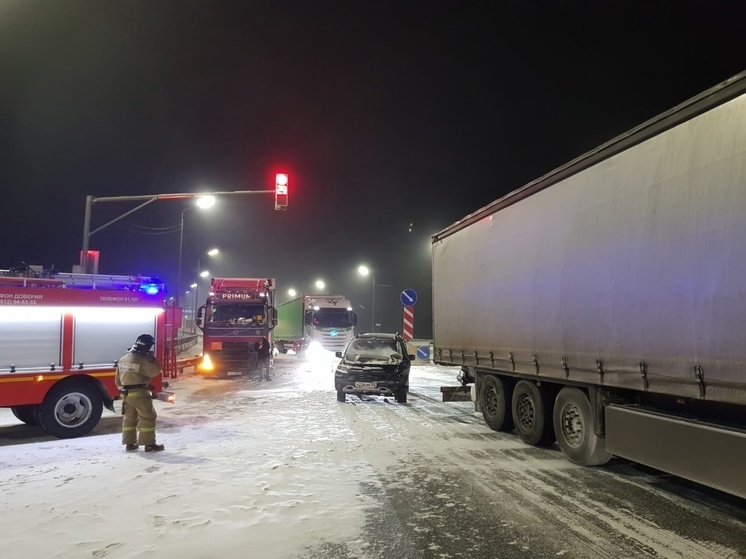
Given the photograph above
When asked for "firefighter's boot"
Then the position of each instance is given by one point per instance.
(154, 447)
(131, 447)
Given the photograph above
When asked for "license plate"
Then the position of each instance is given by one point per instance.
(233, 373)
(366, 385)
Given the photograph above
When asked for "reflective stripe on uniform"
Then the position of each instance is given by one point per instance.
(129, 428)
(138, 392)
(146, 429)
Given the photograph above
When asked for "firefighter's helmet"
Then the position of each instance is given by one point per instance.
(143, 343)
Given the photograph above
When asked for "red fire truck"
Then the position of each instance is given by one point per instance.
(237, 314)
(60, 338)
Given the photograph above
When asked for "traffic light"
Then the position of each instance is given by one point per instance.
(281, 191)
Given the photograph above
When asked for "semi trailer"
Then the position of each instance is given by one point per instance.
(602, 306)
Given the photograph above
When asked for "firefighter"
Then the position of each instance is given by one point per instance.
(134, 371)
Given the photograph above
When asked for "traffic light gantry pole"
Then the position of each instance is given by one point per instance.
(149, 199)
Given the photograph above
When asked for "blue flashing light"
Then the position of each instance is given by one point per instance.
(151, 288)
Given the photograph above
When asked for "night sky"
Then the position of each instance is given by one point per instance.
(393, 120)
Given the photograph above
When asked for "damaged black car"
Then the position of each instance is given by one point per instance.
(374, 363)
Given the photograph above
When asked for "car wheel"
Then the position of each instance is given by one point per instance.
(341, 396)
(495, 397)
(27, 414)
(70, 410)
(573, 425)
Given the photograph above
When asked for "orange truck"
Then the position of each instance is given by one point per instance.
(60, 338)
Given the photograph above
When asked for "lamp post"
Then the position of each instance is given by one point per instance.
(146, 199)
(365, 271)
(201, 274)
(203, 202)
(195, 286)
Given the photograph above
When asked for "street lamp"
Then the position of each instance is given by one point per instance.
(203, 203)
(365, 272)
(146, 199)
(201, 274)
(292, 292)
(320, 285)
(195, 286)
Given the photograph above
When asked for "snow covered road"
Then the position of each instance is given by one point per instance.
(281, 469)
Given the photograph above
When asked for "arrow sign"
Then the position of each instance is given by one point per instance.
(408, 297)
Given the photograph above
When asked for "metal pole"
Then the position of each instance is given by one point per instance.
(373, 305)
(178, 274)
(86, 233)
(196, 304)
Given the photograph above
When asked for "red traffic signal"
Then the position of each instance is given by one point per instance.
(281, 191)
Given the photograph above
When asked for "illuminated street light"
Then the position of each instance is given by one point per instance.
(320, 284)
(292, 292)
(203, 274)
(202, 202)
(365, 272)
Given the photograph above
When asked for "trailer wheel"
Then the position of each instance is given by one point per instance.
(69, 410)
(532, 413)
(495, 395)
(27, 414)
(573, 425)
(341, 396)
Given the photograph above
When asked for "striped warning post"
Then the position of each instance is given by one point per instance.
(408, 323)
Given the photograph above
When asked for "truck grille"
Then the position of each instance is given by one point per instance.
(333, 343)
(235, 357)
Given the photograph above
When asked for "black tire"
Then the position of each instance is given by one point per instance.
(27, 414)
(573, 426)
(70, 410)
(494, 398)
(401, 395)
(341, 396)
(532, 414)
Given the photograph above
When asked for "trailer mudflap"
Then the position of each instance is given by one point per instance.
(456, 393)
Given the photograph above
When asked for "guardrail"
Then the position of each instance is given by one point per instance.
(183, 343)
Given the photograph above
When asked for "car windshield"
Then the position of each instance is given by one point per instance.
(373, 350)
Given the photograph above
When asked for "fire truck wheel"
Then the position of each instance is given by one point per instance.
(70, 410)
(27, 414)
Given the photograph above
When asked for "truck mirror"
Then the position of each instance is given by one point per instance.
(354, 319)
(200, 319)
(309, 318)
(272, 316)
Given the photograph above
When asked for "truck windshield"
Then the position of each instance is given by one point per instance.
(332, 318)
(238, 314)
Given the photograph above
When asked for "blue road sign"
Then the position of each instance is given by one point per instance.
(423, 352)
(408, 297)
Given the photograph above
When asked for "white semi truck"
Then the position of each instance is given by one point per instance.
(603, 305)
(315, 321)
